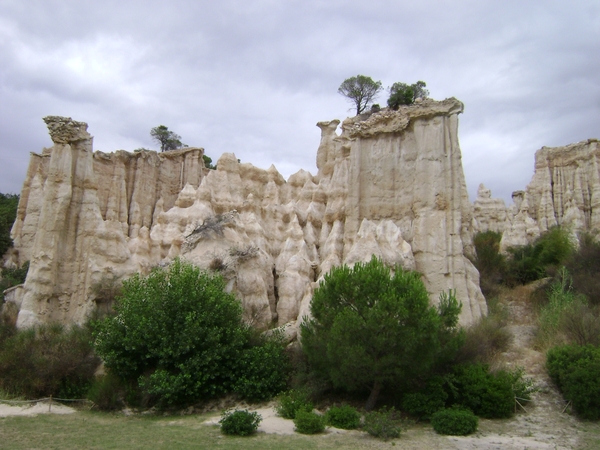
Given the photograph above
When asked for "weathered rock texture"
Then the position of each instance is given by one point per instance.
(564, 190)
(391, 185)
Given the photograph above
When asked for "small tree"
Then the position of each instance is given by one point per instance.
(360, 90)
(167, 139)
(404, 94)
(176, 333)
(371, 328)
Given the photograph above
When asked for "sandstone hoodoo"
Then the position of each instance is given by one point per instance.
(390, 184)
(564, 190)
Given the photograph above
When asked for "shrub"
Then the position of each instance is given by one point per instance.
(490, 263)
(372, 328)
(580, 324)
(382, 424)
(576, 372)
(13, 277)
(484, 340)
(488, 395)
(584, 267)
(345, 417)
(263, 369)
(240, 422)
(290, 402)
(48, 360)
(454, 421)
(107, 393)
(308, 422)
(8, 213)
(424, 403)
(532, 262)
(176, 333)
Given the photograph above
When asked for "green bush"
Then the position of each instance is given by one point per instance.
(290, 402)
(345, 417)
(8, 213)
(488, 395)
(308, 422)
(107, 393)
(382, 424)
(454, 421)
(424, 403)
(176, 333)
(263, 369)
(240, 422)
(484, 340)
(532, 262)
(13, 277)
(48, 360)
(584, 267)
(576, 372)
(372, 328)
(490, 263)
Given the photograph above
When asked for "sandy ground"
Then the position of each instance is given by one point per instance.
(33, 409)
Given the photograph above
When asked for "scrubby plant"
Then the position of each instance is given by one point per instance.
(532, 262)
(382, 424)
(345, 417)
(580, 324)
(240, 422)
(263, 369)
(490, 263)
(291, 402)
(48, 360)
(431, 398)
(370, 328)
(308, 422)
(484, 340)
(584, 267)
(487, 394)
(454, 421)
(107, 392)
(576, 372)
(8, 213)
(13, 277)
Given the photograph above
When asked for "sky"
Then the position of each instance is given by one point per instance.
(254, 77)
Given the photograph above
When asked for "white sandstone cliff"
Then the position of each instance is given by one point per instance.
(391, 185)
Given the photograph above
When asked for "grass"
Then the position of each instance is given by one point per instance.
(96, 430)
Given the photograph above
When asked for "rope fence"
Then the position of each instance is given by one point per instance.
(49, 400)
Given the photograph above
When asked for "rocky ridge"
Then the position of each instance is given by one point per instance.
(391, 184)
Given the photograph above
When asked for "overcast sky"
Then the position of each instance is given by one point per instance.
(254, 77)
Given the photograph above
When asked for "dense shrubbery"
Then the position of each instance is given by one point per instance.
(290, 402)
(431, 398)
(382, 424)
(370, 328)
(345, 417)
(181, 338)
(13, 277)
(47, 360)
(584, 267)
(308, 422)
(454, 421)
(8, 213)
(240, 422)
(576, 372)
(490, 263)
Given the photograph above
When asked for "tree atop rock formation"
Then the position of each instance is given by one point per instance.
(168, 140)
(360, 90)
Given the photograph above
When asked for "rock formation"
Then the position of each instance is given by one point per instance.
(564, 190)
(391, 185)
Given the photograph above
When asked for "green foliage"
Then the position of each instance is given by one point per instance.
(584, 267)
(360, 90)
(8, 213)
(176, 332)
(167, 139)
(240, 422)
(484, 340)
(47, 360)
(208, 162)
(263, 369)
(425, 402)
(404, 94)
(345, 417)
(13, 277)
(369, 328)
(576, 372)
(382, 424)
(107, 393)
(487, 394)
(561, 299)
(454, 421)
(490, 263)
(308, 422)
(291, 402)
(532, 262)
